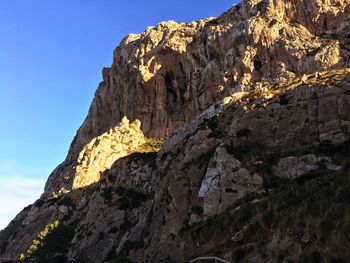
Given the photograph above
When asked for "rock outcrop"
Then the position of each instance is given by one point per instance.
(169, 74)
(147, 205)
(255, 108)
(99, 154)
(226, 182)
(293, 167)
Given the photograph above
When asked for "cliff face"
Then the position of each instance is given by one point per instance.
(170, 73)
(249, 102)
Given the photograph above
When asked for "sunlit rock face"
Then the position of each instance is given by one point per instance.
(102, 151)
(244, 100)
(99, 155)
(170, 73)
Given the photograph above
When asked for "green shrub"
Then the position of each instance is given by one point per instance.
(238, 255)
(66, 201)
(121, 260)
(107, 195)
(130, 198)
(344, 230)
(343, 194)
(51, 244)
(198, 210)
(313, 257)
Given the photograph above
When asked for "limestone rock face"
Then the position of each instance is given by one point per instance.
(175, 70)
(149, 205)
(225, 182)
(249, 100)
(99, 155)
(293, 167)
(170, 73)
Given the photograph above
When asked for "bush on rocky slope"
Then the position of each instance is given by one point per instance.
(312, 211)
(51, 244)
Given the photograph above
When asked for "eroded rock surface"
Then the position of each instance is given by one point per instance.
(257, 94)
(99, 154)
(170, 73)
(147, 205)
(225, 182)
(293, 167)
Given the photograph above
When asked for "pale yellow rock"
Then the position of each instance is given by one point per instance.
(99, 155)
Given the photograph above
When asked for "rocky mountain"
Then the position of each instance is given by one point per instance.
(238, 146)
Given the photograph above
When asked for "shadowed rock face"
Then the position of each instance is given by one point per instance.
(149, 206)
(243, 99)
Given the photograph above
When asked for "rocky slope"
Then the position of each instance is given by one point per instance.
(172, 72)
(255, 107)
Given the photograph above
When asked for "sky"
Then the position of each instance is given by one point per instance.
(51, 56)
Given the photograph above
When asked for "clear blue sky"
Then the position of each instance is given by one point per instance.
(51, 56)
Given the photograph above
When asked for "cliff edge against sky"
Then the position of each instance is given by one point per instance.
(237, 146)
